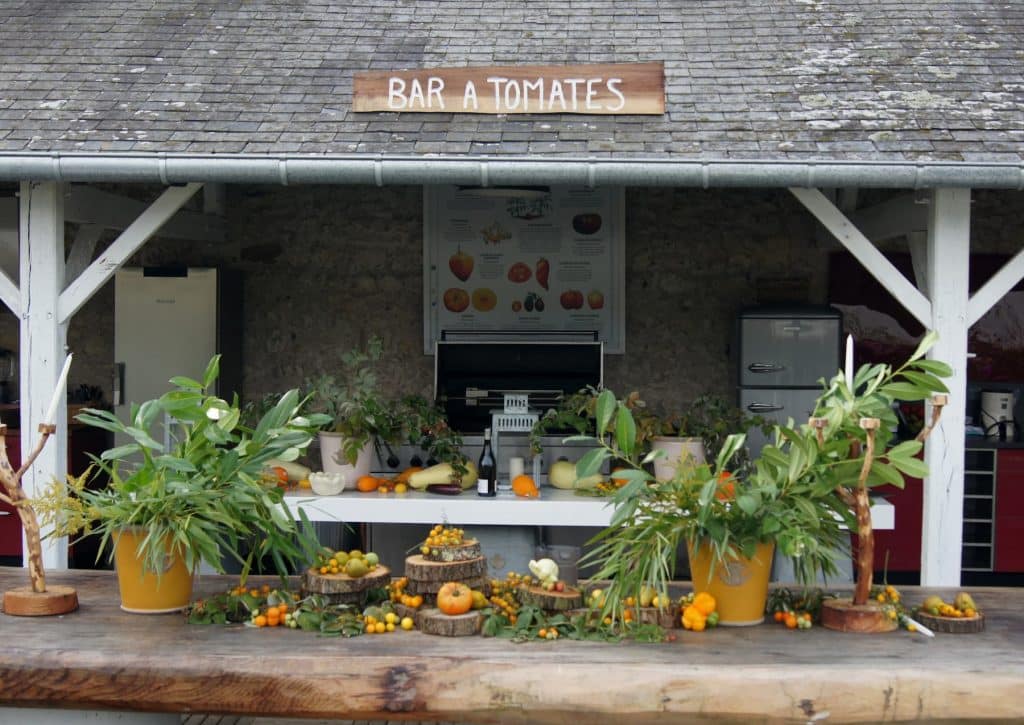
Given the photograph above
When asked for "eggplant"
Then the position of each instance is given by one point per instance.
(445, 489)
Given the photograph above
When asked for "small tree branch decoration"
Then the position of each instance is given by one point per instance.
(37, 599)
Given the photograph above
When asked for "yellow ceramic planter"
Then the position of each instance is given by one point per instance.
(143, 592)
(739, 586)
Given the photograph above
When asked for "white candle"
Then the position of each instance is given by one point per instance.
(51, 412)
(849, 360)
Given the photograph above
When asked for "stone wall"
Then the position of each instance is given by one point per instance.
(325, 268)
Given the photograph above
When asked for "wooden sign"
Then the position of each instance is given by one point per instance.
(610, 89)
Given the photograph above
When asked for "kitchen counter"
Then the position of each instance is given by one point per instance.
(100, 658)
(555, 507)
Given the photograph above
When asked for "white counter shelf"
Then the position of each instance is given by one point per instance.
(555, 507)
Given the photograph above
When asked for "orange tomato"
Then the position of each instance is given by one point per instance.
(620, 482)
(523, 485)
(367, 483)
(779, 616)
(790, 621)
(281, 475)
(454, 598)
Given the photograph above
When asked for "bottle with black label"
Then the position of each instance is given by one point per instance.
(487, 469)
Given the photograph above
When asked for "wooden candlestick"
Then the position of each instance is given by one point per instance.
(36, 599)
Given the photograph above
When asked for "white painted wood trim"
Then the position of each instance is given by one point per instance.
(10, 295)
(948, 267)
(555, 507)
(992, 291)
(917, 242)
(131, 239)
(89, 205)
(896, 217)
(82, 249)
(866, 253)
(43, 344)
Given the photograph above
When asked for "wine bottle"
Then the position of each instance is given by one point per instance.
(487, 469)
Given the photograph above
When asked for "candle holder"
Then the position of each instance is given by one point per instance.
(37, 599)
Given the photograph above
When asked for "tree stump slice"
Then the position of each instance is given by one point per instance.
(57, 599)
(552, 601)
(342, 585)
(843, 615)
(421, 569)
(952, 625)
(404, 611)
(468, 549)
(434, 621)
(665, 618)
(431, 588)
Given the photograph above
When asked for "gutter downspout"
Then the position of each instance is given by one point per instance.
(383, 170)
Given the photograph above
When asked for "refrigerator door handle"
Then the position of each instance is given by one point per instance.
(764, 408)
(765, 367)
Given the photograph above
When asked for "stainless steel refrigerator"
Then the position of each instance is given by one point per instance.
(783, 354)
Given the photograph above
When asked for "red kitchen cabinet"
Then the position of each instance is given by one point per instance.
(10, 524)
(903, 542)
(1009, 518)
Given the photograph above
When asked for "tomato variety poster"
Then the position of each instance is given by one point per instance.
(532, 260)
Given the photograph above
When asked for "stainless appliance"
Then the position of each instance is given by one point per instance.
(784, 352)
(471, 379)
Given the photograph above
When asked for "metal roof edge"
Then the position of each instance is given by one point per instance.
(382, 170)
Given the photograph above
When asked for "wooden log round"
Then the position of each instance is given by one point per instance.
(551, 601)
(952, 625)
(24, 602)
(421, 569)
(433, 587)
(313, 582)
(404, 611)
(843, 615)
(468, 549)
(667, 618)
(434, 621)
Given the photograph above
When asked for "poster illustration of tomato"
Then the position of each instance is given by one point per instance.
(545, 261)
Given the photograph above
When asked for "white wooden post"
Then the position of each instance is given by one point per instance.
(43, 341)
(948, 259)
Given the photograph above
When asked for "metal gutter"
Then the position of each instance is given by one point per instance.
(385, 170)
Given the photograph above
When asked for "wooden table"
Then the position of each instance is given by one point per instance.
(102, 659)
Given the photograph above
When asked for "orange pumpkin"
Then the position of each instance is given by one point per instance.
(523, 485)
(454, 598)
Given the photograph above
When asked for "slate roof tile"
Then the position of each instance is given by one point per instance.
(832, 79)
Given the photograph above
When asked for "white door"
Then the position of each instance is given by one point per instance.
(163, 326)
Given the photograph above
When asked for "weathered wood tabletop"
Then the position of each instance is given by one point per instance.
(101, 658)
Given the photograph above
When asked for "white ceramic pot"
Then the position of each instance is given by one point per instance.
(688, 452)
(332, 457)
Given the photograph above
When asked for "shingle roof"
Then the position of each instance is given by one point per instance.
(917, 80)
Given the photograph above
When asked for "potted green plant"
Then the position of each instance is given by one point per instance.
(358, 414)
(425, 426)
(796, 497)
(202, 496)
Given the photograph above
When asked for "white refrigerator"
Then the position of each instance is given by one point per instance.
(171, 321)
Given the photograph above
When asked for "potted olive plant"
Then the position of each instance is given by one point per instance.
(357, 413)
(200, 497)
(797, 498)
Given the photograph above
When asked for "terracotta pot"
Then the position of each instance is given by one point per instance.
(739, 586)
(687, 452)
(332, 457)
(146, 592)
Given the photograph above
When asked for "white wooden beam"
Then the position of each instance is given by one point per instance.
(43, 343)
(101, 270)
(10, 295)
(918, 244)
(949, 253)
(1000, 283)
(895, 217)
(866, 253)
(88, 205)
(82, 249)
